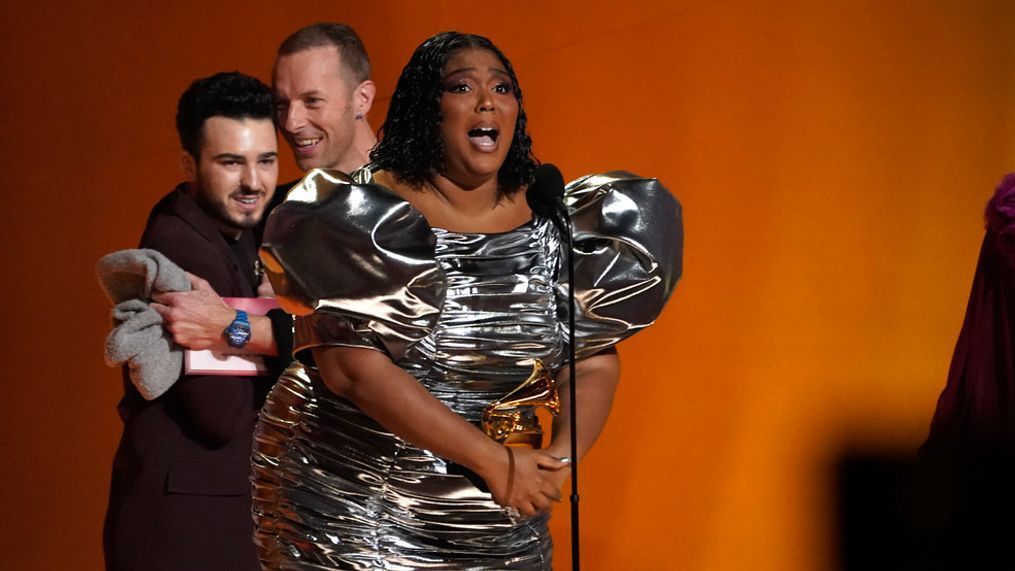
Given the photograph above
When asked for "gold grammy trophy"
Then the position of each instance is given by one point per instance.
(504, 420)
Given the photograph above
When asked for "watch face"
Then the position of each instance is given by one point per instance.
(237, 334)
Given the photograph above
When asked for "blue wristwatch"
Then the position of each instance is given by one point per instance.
(238, 332)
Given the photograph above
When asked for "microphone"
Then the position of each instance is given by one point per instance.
(546, 198)
(546, 193)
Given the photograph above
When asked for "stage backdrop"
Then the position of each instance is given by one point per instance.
(833, 159)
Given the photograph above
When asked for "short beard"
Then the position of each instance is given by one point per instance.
(220, 214)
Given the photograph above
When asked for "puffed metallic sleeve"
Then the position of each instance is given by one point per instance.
(628, 246)
(354, 263)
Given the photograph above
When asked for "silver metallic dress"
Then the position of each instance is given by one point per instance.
(465, 314)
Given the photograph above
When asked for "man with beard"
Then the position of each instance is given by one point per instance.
(180, 494)
(323, 93)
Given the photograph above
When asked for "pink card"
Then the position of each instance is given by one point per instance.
(233, 362)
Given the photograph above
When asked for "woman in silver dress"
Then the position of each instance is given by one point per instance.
(425, 290)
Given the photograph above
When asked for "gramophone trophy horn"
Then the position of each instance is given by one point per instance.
(505, 420)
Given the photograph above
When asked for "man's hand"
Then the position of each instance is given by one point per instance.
(195, 318)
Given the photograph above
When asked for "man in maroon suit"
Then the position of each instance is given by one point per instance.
(180, 494)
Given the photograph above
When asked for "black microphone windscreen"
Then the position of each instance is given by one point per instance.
(546, 190)
(549, 179)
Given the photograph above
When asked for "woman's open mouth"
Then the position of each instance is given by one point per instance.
(484, 138)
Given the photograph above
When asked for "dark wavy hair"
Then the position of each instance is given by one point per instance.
(411, 147)
(226, 94)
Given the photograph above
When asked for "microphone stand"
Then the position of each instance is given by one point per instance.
(546, 198)
(571, 388)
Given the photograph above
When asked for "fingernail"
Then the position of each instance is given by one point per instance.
(565, 459)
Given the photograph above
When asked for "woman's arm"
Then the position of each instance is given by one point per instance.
(399, 403)
(598, 376)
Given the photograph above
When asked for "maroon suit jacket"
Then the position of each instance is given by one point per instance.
(976, 410)
(180, 493)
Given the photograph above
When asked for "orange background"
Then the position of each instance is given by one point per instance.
(833, 159)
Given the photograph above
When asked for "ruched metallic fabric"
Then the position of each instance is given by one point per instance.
(465, 314)
(628, 247)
